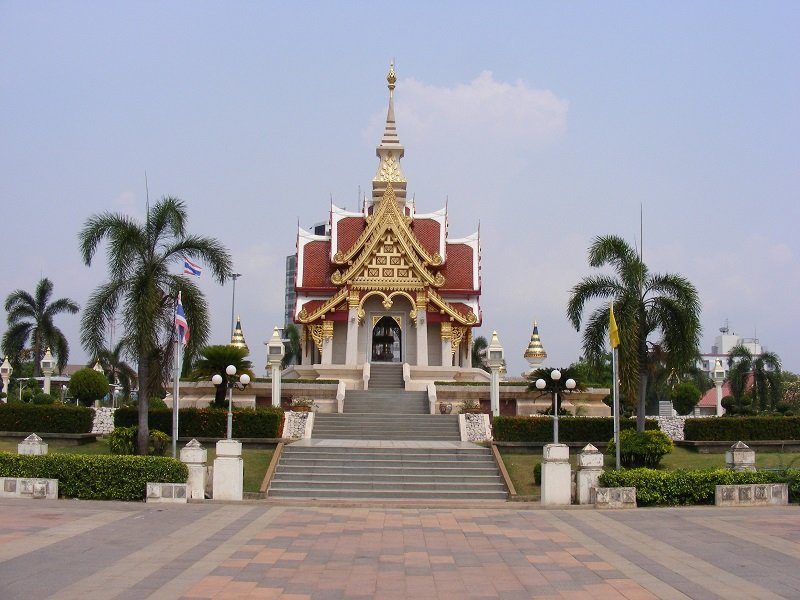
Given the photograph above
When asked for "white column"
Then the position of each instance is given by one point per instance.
(351, 358)
(276, 384)
(447, 355)
(194, 456)
(494, 391)
(327, 350)
(556, 476)
(720, 410)
(422, 337)
(228, 471)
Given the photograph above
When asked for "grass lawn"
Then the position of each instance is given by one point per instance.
(256, 461)
(521, 461)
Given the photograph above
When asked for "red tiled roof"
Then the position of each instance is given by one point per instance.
(347, 232)
(312, 305)
(427, 232)
(458, 268)
(317, 268)
(710, 397)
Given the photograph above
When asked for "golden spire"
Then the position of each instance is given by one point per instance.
(389, 151)
(535, 353)
(237, 339)
(391, 77)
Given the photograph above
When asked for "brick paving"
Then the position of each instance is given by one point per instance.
(69, 549)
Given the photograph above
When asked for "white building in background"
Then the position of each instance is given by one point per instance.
(723, 344)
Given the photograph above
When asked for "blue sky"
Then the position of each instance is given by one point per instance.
(547, 123)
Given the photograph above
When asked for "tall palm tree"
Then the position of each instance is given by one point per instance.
(119, 372)
(31, 317)
(294, 349)
(142, 288)
(645, 304)
(761, 373)
(213, 360)
(478, 353)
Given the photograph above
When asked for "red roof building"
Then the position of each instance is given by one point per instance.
(385, 284)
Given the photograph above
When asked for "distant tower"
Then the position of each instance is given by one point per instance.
(237, 339)
(535, 353)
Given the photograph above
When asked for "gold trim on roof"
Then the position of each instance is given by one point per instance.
(329, 305)
(445, 307)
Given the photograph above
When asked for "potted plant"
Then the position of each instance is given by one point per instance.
(302, 404)
(471, 406)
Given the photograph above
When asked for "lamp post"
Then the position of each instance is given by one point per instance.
(47, 368)
(719, 377)
(231, 382)
(5, 374)
(555, 377)
(234, 276)
(275, 353)
(494, 361)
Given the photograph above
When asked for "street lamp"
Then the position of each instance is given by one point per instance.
(275, 353)
(5, 374)
(541, 384)
(718, 376)
(231, 382)
(495, 362)
(48, 365)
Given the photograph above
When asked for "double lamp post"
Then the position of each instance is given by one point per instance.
(231, 382)
(556, 387)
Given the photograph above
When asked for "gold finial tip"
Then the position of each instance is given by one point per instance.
(392, 76)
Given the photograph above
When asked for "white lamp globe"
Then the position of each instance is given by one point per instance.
(244, 379)
(540, 384)
(230, 370)
(216, 379)
(555, 375)
(570, 383)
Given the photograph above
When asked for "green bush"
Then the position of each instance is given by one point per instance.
(123, 440)
(537, 473)
(570, 429)
(210, 422)
(691, 487)
(641, 449)
(685, 397)
(42, 398)
(88, 385)
(732, 429)
(96, 477)
(45, 418)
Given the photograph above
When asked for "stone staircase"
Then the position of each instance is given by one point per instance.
(384, 376)
(386, 446)
(467, 472)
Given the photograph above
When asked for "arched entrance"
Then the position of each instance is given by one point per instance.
(387, 340)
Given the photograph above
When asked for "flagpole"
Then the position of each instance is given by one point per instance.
(175, 398)
(615, 370)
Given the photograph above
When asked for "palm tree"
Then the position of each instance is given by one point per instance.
(644, 304)
(119, 372)
(478, 354)
(761, 373)
(294, 349)
(213, 360)
(31, 317)
(143, 289)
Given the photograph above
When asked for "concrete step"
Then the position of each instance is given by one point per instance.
(306, 491)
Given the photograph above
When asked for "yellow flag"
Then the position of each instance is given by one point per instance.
(613, 332)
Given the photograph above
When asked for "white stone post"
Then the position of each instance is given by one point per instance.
(719, 377)
(556, 476)
(447, 355)
(32, 445)
(740, 457)
(228, 471)
(48, 365)
(590, 467)
(494, 391)
(494, 359)
(195, 457)
(5, 374)
(275, 354)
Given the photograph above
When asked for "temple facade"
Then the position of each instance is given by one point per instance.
(386, 284)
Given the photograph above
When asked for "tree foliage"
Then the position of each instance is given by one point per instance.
(31, 317)
(685, 397)
(760, 375)
(119, 372)
(142, 288)
(87, 385)
(478, 353)
(214, 360)
(294, 349)
(650, 309)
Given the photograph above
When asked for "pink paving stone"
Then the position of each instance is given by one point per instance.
(208, 586)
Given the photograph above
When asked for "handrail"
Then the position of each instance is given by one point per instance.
(273, 464)
(512, 491)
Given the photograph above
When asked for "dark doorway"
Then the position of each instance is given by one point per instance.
(387, 341)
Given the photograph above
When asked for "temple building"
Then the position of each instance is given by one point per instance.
(386, 284)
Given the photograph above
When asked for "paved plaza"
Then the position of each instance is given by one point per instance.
(129, 551)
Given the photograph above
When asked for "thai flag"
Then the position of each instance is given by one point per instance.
(190, 268)
(181, 323)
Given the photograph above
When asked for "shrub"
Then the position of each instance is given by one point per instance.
(96, 477)
(210, 422)
(42, 398)
(87, 385)
(537, 473)
(38, 418)
(691, 487)
(123, 440)
(685, 397)
(470, 405)
(743, 428)
(641, 449)
(570, 429)
(302, 404)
